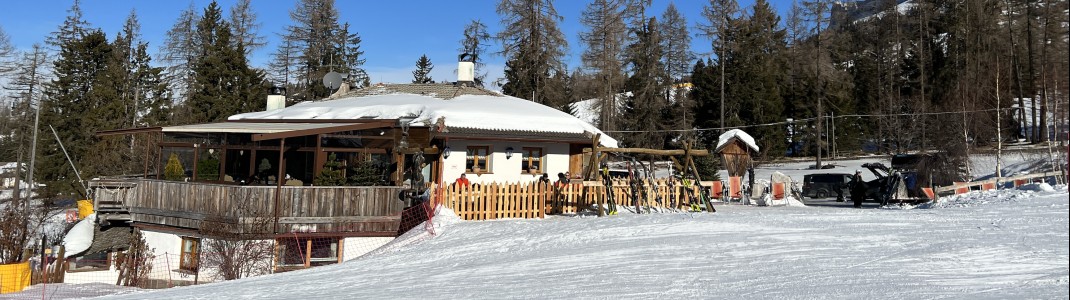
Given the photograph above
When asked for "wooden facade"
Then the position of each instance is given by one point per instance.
(736, 157)
(354, 211)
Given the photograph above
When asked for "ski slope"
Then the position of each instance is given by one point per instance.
(1010, 244)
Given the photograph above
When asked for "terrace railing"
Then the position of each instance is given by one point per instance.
(375, 211)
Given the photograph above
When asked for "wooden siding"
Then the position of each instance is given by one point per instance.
(301, 208)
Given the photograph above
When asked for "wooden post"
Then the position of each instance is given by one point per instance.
(223, 159)
(319, 157)
(196, 157)
(278, 186)
(592, 165)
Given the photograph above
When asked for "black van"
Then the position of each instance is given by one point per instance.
(826, 185)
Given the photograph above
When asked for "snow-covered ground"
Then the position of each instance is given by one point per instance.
(1008, 244)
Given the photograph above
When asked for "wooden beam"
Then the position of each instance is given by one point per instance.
(127, 131)
(314, 131)
(694, 152)
(428, 150)
(346, 219)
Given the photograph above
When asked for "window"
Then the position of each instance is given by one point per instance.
(532, 161)
(97, 261)
(191, 250)
(478, 160)
(308, 252)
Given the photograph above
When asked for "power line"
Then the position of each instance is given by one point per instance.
(812, 119)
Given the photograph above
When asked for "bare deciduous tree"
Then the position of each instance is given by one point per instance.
(233, 247)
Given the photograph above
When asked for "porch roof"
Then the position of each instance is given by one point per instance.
(269, 131)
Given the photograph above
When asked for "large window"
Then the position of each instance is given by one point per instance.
(532, 161)
(478, 160)
(97, 261)
(191, 250)
(302, 252)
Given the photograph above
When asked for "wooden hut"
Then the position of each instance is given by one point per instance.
(736, 148)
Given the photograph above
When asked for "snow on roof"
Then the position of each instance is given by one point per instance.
(485, 112)
(738, 134)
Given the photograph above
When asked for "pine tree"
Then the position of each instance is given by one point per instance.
(245, 27)
(174, 170)
(73, 99)
(677, 57)
(719, 14)
(322, 46)
(756, 55)
(648, 83)
(7, 53)
(179, 53)
(422, 74)
(25, 82)
(332, 174)
(676, 43)
(705, 92)
(224, 84)
(73, 28)
(475, 43)
(534, 47)
(348, 48)
(603, 56)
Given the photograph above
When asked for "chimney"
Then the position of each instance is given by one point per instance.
(275, 98)
(466, 69)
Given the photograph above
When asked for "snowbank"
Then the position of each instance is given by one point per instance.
(80, 237)
(1037, 187)
(444, 217)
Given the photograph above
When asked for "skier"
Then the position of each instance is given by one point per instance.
(858, 189)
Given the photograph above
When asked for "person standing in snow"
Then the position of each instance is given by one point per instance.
(858, 189)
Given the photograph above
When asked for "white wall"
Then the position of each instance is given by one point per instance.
(167, 247)
(109, 276)
(504, 170)
(353, 247)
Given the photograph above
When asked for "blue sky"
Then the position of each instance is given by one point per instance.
(394, 33)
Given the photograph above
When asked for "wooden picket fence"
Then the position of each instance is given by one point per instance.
(532, 200)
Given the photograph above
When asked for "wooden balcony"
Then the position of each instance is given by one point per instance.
(353, 211)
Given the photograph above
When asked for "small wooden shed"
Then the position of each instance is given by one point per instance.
(736, 148)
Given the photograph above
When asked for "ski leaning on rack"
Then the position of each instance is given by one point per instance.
(608, 182)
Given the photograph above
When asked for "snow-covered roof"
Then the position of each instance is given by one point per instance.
(737, 134)
(485, 112)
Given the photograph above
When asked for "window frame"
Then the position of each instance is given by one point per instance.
(189, 257)
(527, 160)
(471, 155)
(82, 258)
(305, 251)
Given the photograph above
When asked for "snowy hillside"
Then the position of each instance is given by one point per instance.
(997, 245)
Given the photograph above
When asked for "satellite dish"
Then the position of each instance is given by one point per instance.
(332, 80)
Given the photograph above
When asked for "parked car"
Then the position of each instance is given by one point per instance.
(824, 185)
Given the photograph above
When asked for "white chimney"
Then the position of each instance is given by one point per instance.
(275, 98)
(466, 69)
